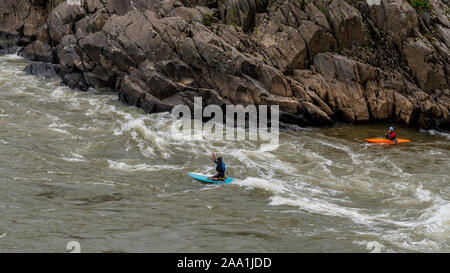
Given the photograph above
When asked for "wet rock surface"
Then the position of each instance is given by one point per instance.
(44, 70)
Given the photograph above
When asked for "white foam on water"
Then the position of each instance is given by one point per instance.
(76, 158)
(379, 163)
(434, 132)
(285, 195)
(311, 155)
(145, 149)
(435, 153)
(99, 107)
(62, 131)
(268, 147)
(60, 92)
(422, 194)
(3, 235)
(71, 159)
(242, 156)
(55, 124)
(208, 187)
(430, 231)
(399, 171)
(436, 220)
(403, 239)
(139, 167)
(131, 124)
(87, 128)
(147, 140)
(176, 134)
(102, 183)
(258, 183)
(374, 247)
(259, 160)
(353, 155)
(314, 190)
(11, 57)
(321, 207)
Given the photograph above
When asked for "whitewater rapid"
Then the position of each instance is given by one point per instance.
(321, 190)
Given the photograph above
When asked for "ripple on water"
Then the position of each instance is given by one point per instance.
(90, 156)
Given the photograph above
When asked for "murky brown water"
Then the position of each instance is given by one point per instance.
(84, 167)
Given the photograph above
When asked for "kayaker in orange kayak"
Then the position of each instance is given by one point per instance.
(390, 138)
(391, 134)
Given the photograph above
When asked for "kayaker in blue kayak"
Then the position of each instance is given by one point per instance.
(220, 168)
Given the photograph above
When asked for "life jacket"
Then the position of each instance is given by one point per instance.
(220, 167)
(391, 135)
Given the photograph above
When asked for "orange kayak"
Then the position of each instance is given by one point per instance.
(387, 141)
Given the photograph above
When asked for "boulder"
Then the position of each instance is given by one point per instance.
(284, 46)
(67, 54)
(427, 71)
(8, 47)
(133, 94)
(395, 17)
(317, 16)
(38, 51)
(403, 108)
(61, 20)
(75, 80)
(241, 12)
(316, 115)
(347, 24)
(44, 70)
(380, 101)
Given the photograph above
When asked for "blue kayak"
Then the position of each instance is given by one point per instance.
(204, 178)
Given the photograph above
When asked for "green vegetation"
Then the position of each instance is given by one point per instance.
(234, 18)
(207, 19)
(430, 38)
(234, 14)
(420, 5)
(323, 10)
(232, 24)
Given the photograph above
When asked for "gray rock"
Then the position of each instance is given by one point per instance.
(8, 48)
(44, 70)
(320, 61)
(75, 80)
(38, 51)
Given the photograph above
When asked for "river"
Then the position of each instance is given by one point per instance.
(82, 166)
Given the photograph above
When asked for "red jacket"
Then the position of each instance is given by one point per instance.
(391, 135)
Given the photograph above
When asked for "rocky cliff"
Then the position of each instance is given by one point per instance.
(322, 61)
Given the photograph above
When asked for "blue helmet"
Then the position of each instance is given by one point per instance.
(391, 128)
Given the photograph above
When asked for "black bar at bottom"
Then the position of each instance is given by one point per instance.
(226, 262)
